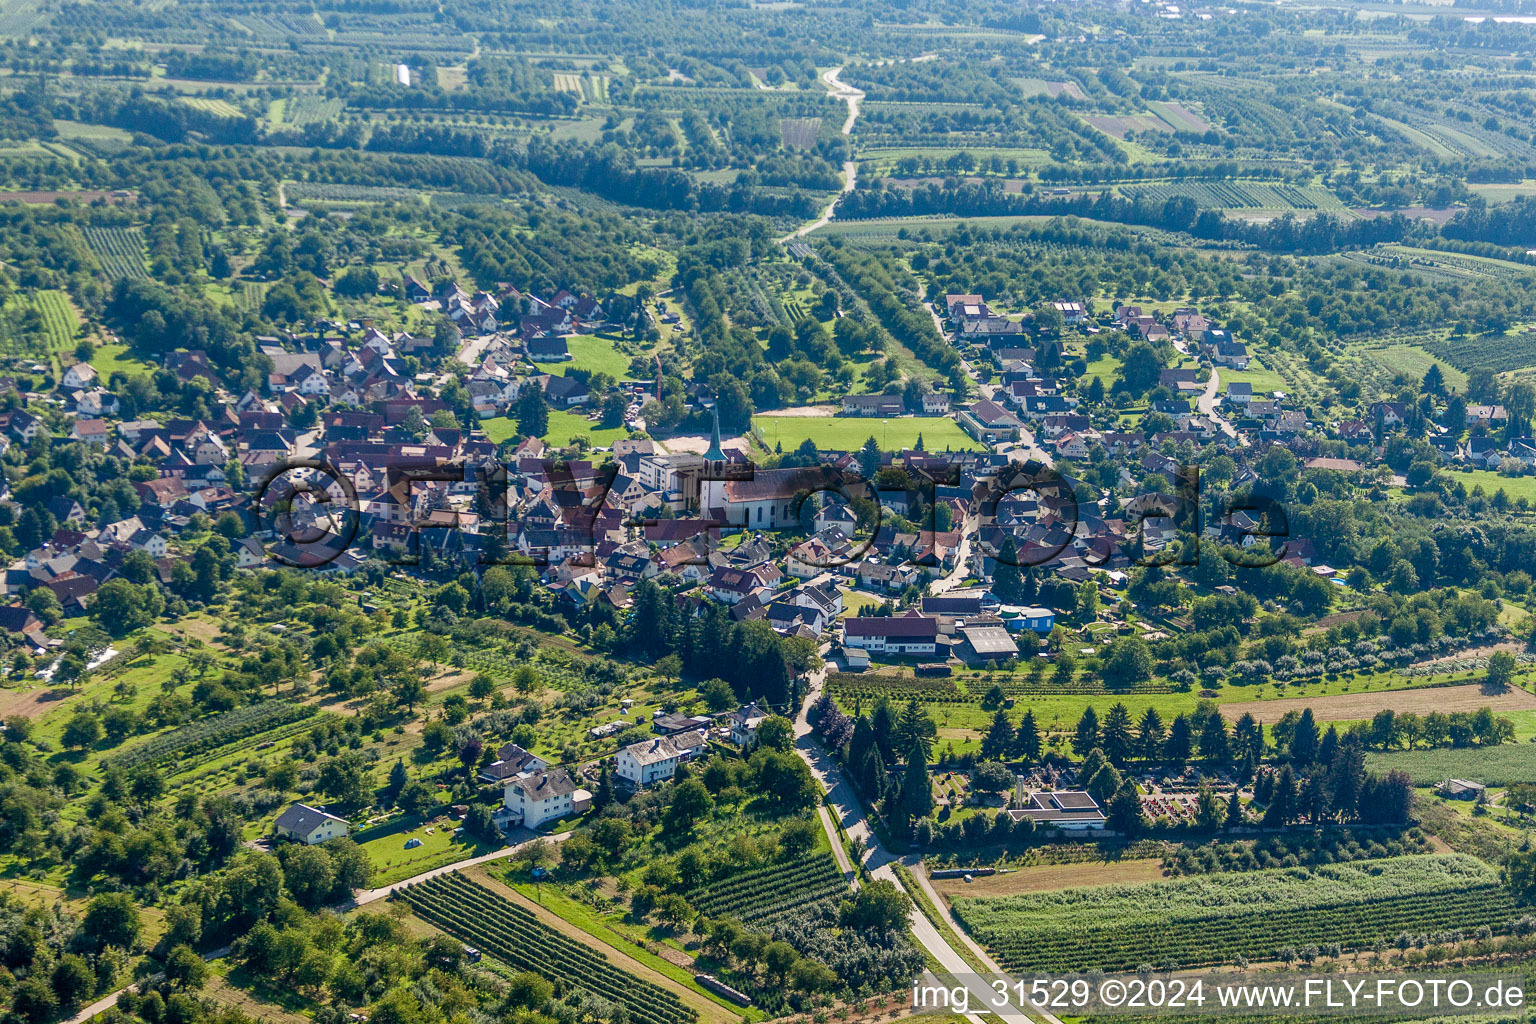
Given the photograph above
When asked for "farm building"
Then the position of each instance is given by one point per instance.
(1460, 789)
(905, 634)
(990, 642)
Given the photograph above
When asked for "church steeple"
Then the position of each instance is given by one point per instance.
(716, 453)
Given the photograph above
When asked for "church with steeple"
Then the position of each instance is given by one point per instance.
(712, 491)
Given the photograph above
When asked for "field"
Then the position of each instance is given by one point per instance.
(762, 895)
(1242, 195)
(592, 354)
(1515, 486)
(1205, 920)
(563, 426)
(218, 108)
(846, 433)
(1352, 707)
(799, 132)
(514, 936)
(1050, 877)
(61, 325)
(304, 109)
(207, 736)
(1413, 362)
(1494, 766)
(1180, 116)
(120, 251)
(1120, 125)
(1032, 87)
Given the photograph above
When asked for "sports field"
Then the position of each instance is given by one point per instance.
(845, 433)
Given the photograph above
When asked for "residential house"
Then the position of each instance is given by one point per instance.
(512, 762)
(308, 825)
(648, 762)
(744, 722)
(543, 796)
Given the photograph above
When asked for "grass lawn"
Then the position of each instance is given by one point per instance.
(1106, 368)
(110, 359)
(1515, 487)
(385, 846)
(847, 433)
(1263, 379)
(563, 426)
(854, 600)
(593, 354)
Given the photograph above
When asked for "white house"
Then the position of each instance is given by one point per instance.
(542, 796)
(309, 825)
(744, 724)
(81, 375)
(649, 761)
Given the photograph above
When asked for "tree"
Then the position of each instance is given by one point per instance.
(1209, 812)
(1304, 740)
(73, 979)
(111, 919)
(1124, 814)
(185, 969)
(397, 781)
(1235, 814)
(916, 788)
(1086, 737)
(776, 733)
(34, 1000)
(529, 990)
(1214, 745)
(1283, 799)
(914, 728)
(1007, 577)
(691, 802)
(1520, 875)
(82, 730)
(1104, 783)
(532, 411)
(1129, 662)
(1149, 735)
(1026, 741)
(1115, 737)
(1501, 670)
(992, 777)
(877, 906)
(999, 738)
(717, 694)
(120, 607)
(1180, 741)
(417, 798)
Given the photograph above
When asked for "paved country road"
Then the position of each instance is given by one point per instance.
(879, 863)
